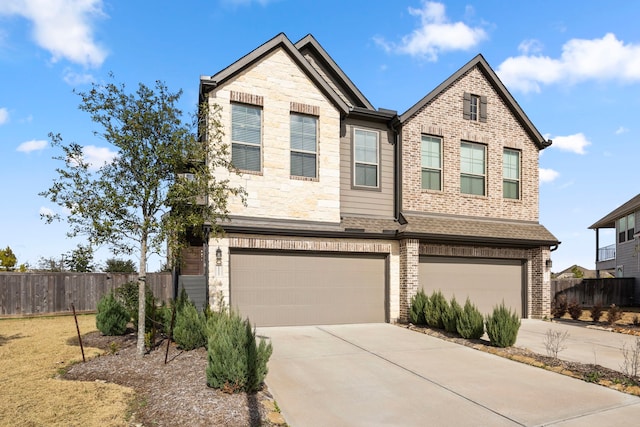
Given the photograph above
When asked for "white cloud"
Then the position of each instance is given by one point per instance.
(621, 130)
(63, 27)
(74, 79)
(574, 143)
(44, 211)
(530, 46)
(98, 156)
(598, 59)
(4, 116)
(33, 145)
(435, 35)
(548, 175)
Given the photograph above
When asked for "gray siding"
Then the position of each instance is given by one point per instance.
(366, 202)
(628, 253)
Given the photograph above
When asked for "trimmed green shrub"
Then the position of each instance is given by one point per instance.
(450, 317)
(575, 309)
(127, 294)
(470, 323)
(189, 330)
(418, 304)
(112, 317)
(434, 309)
(235, 361)
(502, 326)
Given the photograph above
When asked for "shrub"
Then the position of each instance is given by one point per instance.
(614, 314)
(502, 326)
(470, 323)
(450, 317)
(112, 317)
(436, 305)
(189, 330)
(559, 308)
(235, 361)
(418, 304)
(596, 311)
(575, 309)
(127, 294)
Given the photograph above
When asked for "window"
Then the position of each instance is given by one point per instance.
(474, 107)
(431, 161)
(511, 174)
(246, 138)
(365, 158)
(626, 228)
(472, 168)
(303, 145)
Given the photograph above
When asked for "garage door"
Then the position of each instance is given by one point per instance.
(281, 289)
(487, 282)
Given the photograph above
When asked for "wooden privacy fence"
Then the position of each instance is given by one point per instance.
(587, 292)
(42, 293)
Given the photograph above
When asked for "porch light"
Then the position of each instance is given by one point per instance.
(218, 271)
(549, 263)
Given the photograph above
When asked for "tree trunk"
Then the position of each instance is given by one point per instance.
(142, 273)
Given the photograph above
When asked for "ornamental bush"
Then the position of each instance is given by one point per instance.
(575, 309)
(470, 323)
(189, 329)
(112, 317)
(560, 306)
(502, 326)
(451, 315)
(235, 362)
(418, 304)
(434, 309)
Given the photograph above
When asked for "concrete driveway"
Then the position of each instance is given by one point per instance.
(384, 375)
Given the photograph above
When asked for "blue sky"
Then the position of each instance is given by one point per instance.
(573, 66)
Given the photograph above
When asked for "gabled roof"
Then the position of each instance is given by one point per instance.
(308, 44)
(280, 41)
(609, 221)
(500, 88)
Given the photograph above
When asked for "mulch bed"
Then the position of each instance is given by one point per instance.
(169, 394)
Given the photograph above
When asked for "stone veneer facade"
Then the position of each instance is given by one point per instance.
(279, 87)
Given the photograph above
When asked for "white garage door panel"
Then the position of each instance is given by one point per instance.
(487, 282)
(300, 289)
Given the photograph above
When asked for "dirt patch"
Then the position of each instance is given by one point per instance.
(587, 372)
(169, 394)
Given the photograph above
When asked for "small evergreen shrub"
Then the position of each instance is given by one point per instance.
(575, 310)
(502, 326)
(235, 362)
(112, 317)
(450, 317)
(596, 311)
(470, 323)
(127, 294)
(435, 307)
(189, 329)
(559, 308)
(418, 304)
(614, 314)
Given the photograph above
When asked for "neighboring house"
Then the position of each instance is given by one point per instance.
(623, 256)
(584, 273)
(352, 209)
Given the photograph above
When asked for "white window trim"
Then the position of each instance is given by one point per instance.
(258, 107)
(519, 180)
(355, 162)
(315, 153)
(440, 167)
(484, 176)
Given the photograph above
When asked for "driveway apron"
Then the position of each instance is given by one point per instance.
(385, 375)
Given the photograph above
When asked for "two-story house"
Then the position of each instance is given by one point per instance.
(622, 257)
(351, 209)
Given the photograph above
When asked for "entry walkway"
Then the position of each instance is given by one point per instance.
(385, 375)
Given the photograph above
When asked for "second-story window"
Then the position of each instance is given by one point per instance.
(303, 145)
(431, 162)
(366, 158)
(626, 228)
(473, 168)
(246, 137)
(511, 174)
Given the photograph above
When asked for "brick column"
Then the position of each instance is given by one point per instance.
(409, 284)
(540, 286)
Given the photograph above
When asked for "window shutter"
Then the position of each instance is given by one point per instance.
(483, 109)
(466, 106)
